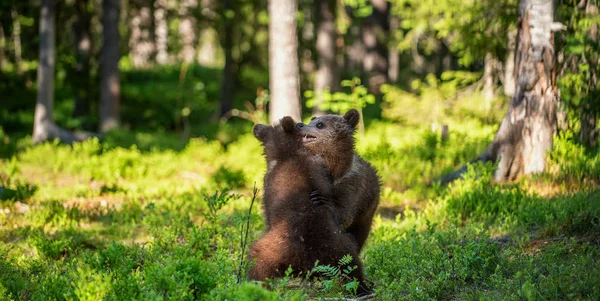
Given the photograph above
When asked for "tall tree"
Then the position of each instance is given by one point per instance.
(283, 60)
(375, 32)
(526, 132)
(2, 45)
(589, 111)
(161, 31)
(44, 127)
(326, 76)
(187, 30)
(110, 86)
(83, 49)
(141, 40)
(16, 35)
(228, 77)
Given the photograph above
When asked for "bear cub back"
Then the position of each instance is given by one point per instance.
(301, 226)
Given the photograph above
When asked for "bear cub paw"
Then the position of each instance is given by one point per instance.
(317, 198)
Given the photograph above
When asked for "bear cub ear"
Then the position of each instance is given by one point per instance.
(287, 124)
(352, 117)
(261, 131)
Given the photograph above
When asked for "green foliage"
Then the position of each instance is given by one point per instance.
(468, 28)
(340, 102)
(337, 278)
(125, 222)
(440, 100)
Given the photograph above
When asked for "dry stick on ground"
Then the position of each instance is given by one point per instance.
(244, 238)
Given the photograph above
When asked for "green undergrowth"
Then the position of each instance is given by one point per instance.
(147, 217)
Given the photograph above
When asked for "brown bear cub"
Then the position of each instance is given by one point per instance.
(301, 225)
(356, 184)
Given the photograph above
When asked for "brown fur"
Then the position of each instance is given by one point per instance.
(356, 184)
(300, 229)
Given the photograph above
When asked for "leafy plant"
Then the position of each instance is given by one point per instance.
(340, 274)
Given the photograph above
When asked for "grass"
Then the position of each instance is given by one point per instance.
(146, 215)
(102, 221)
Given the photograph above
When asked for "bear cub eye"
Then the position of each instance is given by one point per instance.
(320, 125)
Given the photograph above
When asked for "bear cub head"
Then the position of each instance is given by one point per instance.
(332, 138)
(280, 141)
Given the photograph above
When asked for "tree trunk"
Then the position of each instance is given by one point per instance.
(83, 48)
(394, 54)
(2, 46)
(587, 132)
(16, 35)
(110, 87)
(187, 30)
(326, 77)
(140, 41)
(43, 125)
(375, 31)
(283, 60)
(228, 77)
(488, 77)
(509, 67)
(161, 31)
(526, 132)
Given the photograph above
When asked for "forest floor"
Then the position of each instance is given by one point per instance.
(135, 218)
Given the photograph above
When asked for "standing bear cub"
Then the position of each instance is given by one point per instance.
(356, 184)
(301, 225)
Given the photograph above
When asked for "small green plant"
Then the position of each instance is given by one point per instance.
(340, 274)
(215, 202)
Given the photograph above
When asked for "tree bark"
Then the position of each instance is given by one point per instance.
(587, 132)
(83, 48)
(327, 75)
(526, 132)
(283, 60)
(488, 78)
(394, 55)
(161, 31)
(187, 30)
(44, 127)
(228, 76)
(110, 87)
(375, 31)
(2, 46)
(16, 35)
(509, 83)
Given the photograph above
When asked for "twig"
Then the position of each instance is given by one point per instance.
(244, 238)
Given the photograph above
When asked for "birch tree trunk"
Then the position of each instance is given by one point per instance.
(110, 87)
(161, 31)
(326, 76)
(488, 76)
(587, 132)
(283, 60)
(509, 83)
(16, 35)
(393, 53)
(526, 132)
(187, 30)
(2, 47)
(44, 128)
(140, 41)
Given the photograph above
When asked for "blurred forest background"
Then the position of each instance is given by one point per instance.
(151, 188)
